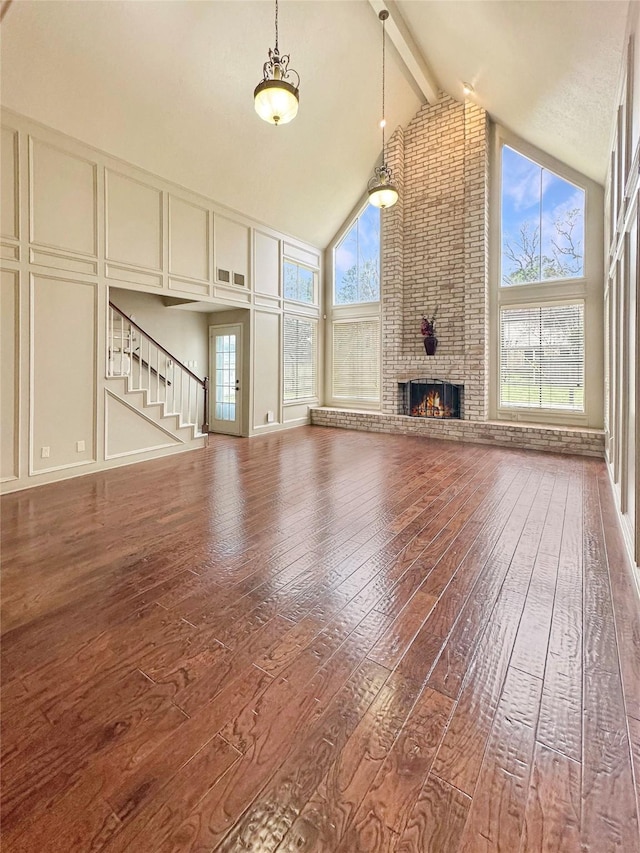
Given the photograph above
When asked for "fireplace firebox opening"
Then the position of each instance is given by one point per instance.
(431, 398)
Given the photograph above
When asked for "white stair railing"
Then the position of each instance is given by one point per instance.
(149, 367)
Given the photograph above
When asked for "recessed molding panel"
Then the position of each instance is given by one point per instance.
(182, 286)
(266, 367)
(133, 276)
(231, 243)
(267, 263)
(267, 301)
(9, 187)
(133, 221)
(129, 431)
(301, 308)
(311, 259)
(9, 373)
(9, 252)
(230, 294)
(54, 260)
(62, 372)
(188, 239)
(62, 199)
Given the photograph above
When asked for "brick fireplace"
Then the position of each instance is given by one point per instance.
(435, 253)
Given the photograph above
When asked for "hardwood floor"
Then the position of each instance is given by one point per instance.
(321, 641)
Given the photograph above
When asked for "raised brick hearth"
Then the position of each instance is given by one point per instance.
(586, 442)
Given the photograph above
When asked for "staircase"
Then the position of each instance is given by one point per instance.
(154, 402)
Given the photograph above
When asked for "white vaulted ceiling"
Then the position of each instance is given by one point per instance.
(168, 86)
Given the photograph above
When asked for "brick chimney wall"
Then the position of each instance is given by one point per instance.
(435, 249)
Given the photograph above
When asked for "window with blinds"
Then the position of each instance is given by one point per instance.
(542, 357)
(300, 358)
(356, 360)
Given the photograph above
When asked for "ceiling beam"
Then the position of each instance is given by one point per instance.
(409, 51)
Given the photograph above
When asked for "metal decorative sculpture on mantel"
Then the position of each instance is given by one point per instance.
(428, 332)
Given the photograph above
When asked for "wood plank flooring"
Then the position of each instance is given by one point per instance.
(321, 641)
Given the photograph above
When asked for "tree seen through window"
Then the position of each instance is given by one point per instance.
(357, 261)
(542, 223)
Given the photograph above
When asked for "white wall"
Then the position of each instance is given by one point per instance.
(79, 227)
(622, 302)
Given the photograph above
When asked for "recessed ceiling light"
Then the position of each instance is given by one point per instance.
(468, 89)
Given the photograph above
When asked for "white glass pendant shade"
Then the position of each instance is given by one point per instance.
(382, 192)
(383, 195)
(276, 101)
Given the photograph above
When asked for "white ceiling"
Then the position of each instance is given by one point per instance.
(168, 86)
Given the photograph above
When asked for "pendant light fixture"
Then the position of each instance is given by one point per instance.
(382, 192)
(276, 96)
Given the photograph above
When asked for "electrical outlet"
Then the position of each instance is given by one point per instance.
(44, 452)
(270, 417)
(79, 446)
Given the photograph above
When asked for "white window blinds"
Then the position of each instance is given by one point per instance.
(299, 358)
(542, 357)
(356, 360)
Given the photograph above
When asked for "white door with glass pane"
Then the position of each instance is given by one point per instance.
(225, 349)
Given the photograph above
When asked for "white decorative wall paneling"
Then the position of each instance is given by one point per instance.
(133, 234)
(622, 303)
(62, 377)
(10, 374)
(76, 222)
(63, 199)
(10, 187)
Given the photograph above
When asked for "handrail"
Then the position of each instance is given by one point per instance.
(156, 344)
(182, 400)
(151, 369)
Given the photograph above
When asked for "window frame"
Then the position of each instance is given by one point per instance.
(314, 273)
(564, 177)
(361, 401)
(541, 306)
(334, 247)
(588, 289)
(356, 311)
(295, 401)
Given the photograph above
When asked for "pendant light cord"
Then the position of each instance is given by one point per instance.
(276, 26)
(383, 66)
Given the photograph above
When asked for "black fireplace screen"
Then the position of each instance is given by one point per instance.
(426, 398)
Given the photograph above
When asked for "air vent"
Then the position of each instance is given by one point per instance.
(238, 278)
(224, 275)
